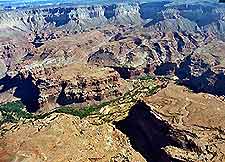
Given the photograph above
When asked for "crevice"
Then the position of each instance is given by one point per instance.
(63, 99)
(180, 42)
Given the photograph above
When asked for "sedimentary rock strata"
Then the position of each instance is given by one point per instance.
(106, 83)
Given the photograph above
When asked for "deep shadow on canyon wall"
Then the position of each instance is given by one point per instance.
(206, 81)
(147, 134)
(25, 89)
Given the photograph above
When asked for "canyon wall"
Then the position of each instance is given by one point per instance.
(154, 15)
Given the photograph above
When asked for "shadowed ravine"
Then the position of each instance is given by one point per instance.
(25, 89)
(147, 134)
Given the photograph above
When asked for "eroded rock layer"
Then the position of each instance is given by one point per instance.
(106, 83)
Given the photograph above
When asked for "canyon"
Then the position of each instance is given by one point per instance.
(113, 82)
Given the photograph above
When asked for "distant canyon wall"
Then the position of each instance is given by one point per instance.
(208, 17)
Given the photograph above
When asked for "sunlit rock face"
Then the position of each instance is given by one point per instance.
(3, 69)
(161, 16)
(61, 137)
(71, 18)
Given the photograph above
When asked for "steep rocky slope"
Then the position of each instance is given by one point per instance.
(129, 51)
(71, 19)
(154, 37)
(87, 139)
(200, 116)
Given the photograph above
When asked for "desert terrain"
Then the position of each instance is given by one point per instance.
(117, 82)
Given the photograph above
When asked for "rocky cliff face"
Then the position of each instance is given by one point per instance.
(195, 114)
(71, 19)
(42, 89)
(76, 84)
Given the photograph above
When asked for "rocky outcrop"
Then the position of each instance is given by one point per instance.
(42, 89)
(62, 137)
(140, 52)
(175, 124)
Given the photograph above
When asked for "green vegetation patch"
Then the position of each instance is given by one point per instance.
(82, 113)
(13, 112)
(146, 77)
(72, 111)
